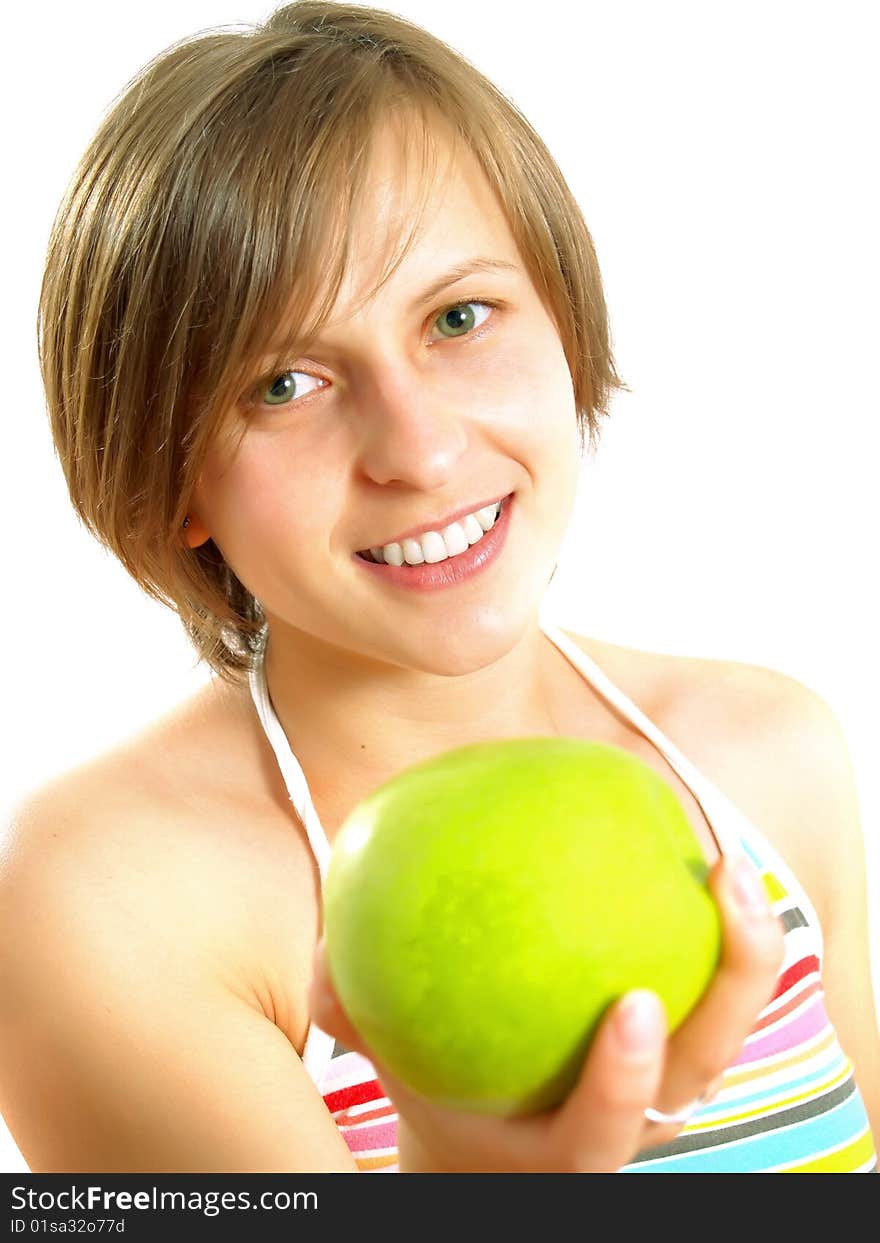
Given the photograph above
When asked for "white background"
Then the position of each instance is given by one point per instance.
(724, 155)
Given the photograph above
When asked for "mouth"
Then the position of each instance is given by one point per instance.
(441, 569)
(433, 545)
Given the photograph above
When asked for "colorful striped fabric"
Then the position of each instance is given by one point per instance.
(364, 1114)
(788, 1104)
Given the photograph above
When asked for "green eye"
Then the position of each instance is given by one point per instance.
(280, 391)
(284, 388)
(459, 320)
(289, 387)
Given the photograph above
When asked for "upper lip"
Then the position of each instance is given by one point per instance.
(438, 524)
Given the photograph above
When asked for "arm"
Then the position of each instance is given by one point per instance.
(779, 752)
(826, 814)
(129, 1040)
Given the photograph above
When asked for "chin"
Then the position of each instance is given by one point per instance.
(475, 642)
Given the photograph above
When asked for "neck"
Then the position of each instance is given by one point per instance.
(355, 720)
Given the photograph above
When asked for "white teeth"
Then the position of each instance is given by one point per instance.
(454, 539)
(433, 547)
(412, 553)
(436, 545)
(472, 529)
(486, 517)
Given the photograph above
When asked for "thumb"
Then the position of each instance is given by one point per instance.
(600, 1123)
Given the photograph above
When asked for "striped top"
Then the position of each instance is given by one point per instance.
(788, 1104)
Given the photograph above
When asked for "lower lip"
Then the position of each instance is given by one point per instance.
(453, 570)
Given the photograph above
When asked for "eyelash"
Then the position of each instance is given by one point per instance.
(474, 335)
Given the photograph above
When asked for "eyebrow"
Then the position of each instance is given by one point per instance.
(466, 268)
(459, 272)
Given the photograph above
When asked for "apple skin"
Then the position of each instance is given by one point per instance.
(482, 910)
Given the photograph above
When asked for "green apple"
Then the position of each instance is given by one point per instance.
(483, 909)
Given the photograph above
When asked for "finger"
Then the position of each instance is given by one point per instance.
(599, 1127)
(712, 1036)
(324, 1004)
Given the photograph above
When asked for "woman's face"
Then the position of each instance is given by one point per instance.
(409, 407)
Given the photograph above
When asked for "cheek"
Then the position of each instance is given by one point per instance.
(255, 499)
(550, 439)
(531, 380)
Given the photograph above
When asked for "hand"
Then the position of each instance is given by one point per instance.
(631, 1065)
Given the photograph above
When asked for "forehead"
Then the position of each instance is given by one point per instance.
(427, 203)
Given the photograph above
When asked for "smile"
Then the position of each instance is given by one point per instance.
(435, 546)
(440, 559)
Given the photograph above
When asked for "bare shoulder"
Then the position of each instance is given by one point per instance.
(162, 846)
(713, 702)
(676, 682)
(148, 928)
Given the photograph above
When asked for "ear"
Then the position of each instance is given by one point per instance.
(195, 532)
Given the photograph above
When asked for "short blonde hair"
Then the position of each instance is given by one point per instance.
(223, 179)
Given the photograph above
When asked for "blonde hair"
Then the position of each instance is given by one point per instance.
(222, 181)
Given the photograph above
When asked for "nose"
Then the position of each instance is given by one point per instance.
(411, 431)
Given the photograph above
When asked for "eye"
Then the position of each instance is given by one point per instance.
(287, 387)
(459, 320)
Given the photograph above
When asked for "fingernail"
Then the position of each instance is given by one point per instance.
(641, 1022)
(748, 889)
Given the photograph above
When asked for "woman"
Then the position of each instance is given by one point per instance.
(319, 315)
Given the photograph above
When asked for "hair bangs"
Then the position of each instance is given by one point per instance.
(298, 231)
